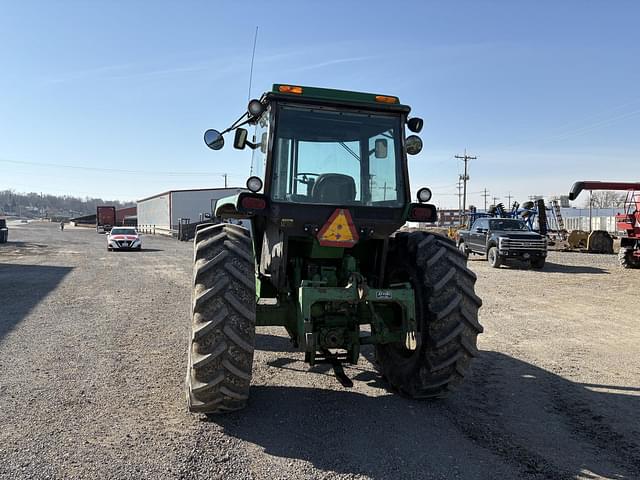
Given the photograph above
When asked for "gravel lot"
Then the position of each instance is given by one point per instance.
(93, 353)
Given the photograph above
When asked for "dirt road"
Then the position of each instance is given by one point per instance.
(92, 362)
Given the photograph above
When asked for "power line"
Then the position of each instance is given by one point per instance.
(113, 170)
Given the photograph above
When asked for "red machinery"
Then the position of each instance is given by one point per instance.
(628, 222)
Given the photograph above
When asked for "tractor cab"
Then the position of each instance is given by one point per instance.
(322, 147)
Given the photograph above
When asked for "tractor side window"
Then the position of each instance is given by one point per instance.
(261, 139)
(382, 167)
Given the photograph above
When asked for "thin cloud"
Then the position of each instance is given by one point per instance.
(160, 72)
(330, 63)
(90, 72)
(127, 71)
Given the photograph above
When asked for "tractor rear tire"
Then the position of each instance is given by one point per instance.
(446, 314)
(626, 258)
(224, 320)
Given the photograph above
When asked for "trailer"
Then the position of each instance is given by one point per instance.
(105, 218)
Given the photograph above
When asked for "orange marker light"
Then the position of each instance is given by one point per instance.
(385, 99)
(290, 89)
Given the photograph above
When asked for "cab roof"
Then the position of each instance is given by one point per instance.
(316, 94)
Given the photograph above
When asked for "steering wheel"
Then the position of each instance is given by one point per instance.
(304, 178)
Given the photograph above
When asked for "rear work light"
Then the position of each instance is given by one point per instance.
(290, 89)
(386, 99)
(253, 203)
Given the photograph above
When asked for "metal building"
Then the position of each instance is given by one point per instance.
(164, 210)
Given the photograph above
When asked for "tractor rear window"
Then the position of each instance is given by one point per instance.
(337, 157)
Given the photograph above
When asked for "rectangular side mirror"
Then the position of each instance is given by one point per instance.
(381, 148)
(240, 139)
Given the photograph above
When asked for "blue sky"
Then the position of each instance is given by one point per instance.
(117, 94)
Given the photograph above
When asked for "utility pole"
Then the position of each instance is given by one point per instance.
(459, 187)
(465, 178)
(485, 195)
(590, 210)
(495, 200)
(509, 199)
(225, 180)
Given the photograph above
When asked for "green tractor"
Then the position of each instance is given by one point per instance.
(320, 253)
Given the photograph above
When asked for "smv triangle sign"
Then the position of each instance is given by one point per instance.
(339, 230)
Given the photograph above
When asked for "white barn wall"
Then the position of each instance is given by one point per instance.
(155, 211)
(190, 204)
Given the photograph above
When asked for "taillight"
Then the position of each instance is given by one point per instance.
(253, 203)
(423, 213)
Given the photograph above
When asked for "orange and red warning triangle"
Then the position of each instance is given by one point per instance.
(339, 230)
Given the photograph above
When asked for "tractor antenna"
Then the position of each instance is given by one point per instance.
(253, 56)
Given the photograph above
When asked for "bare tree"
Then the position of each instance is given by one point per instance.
(605, 199)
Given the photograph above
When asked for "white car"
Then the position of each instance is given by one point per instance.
(123, 238)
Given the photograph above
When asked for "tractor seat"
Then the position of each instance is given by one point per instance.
(334, 188)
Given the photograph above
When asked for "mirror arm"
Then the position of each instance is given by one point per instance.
(238, 123)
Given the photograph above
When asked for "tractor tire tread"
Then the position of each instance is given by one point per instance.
(223, 320)
(447, 314)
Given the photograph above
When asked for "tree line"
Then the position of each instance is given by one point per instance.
(38, 204)
(605, 199)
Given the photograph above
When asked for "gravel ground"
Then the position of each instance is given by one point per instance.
(93, 354)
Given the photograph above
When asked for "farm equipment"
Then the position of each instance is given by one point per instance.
(323, 257)
(627, 222)
(528, 212)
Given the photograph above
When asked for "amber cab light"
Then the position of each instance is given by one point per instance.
(386, 99)
(254, 203)
(290, 89)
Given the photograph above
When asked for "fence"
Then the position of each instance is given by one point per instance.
(156, 230)
(597, 223)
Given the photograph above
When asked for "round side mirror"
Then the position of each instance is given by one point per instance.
(415, 124)
(255, 108)
(413, 144)
(213, 139)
